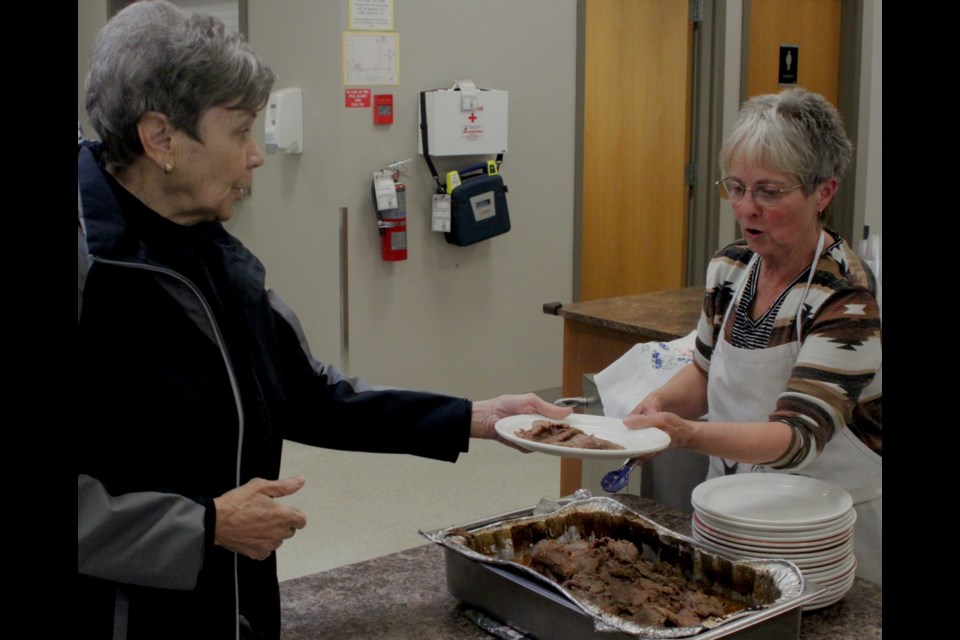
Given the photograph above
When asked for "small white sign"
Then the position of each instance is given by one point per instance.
(371, 14)
(441, 212)
(384, 190)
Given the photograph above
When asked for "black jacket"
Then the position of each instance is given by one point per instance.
(191, 375)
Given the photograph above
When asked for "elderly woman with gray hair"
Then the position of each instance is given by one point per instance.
(191, 372)
(788, 352)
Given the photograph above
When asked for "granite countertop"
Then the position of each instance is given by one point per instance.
(660, 315)
(404, 595)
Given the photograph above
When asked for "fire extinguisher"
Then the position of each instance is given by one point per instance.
(393, 228)
(390, 204)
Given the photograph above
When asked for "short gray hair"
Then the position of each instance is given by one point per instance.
(796, 132)
(154, 56)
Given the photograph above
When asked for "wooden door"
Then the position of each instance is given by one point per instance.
(813, 26)
(637, 66)
(636, 58)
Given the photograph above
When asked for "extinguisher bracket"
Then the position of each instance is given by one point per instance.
(390, 205)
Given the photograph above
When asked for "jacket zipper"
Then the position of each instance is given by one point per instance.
(233, 385)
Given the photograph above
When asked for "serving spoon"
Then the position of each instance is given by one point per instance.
(617, 479)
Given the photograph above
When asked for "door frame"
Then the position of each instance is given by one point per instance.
(706, 136)
(702, 245)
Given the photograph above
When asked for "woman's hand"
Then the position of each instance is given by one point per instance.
(650, 404)
(681, 432)
(252, 523)
(487, 412)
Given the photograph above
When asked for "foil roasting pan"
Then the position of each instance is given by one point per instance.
(483, 567)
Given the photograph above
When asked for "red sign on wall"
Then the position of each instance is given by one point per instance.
(356, 98)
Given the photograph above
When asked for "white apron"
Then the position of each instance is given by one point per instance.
(743, 386)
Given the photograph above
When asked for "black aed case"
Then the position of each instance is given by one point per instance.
(478, 204)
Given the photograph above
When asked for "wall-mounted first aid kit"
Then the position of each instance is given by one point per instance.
(464, 120)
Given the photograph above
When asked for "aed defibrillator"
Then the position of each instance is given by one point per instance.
(478, 204)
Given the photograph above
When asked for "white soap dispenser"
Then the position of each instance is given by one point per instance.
(284, 121)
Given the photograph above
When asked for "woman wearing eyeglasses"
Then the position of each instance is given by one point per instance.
(788, 356)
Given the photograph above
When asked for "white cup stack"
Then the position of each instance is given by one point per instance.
(787, 517)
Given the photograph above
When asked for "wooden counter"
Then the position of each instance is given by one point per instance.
(597, 332)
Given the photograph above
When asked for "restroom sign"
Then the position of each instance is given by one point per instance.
(789, 54)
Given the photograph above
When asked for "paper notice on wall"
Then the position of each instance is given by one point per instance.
(371, 58)
(371, 14)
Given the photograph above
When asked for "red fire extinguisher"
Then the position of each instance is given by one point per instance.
(393, 228)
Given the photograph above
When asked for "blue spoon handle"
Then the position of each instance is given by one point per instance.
(617, 479)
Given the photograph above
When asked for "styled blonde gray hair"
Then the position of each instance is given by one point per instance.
(154, 56)
(796, 132)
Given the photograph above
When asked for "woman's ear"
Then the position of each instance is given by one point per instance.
(156, 136)
(825, 192)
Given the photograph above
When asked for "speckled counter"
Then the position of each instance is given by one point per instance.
(661, 315)
(404, 596)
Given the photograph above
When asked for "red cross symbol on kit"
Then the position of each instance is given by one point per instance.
(473, 117)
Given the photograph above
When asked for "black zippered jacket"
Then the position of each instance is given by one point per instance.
(191, 375)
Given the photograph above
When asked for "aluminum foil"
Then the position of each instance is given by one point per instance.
(760, 584)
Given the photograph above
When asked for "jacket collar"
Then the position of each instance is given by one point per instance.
(103, 222)
(108, 235)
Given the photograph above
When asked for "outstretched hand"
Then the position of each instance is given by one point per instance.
(252, 523)
(486, 413)
(680, 431)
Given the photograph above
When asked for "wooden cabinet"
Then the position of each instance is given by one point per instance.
(597, 332)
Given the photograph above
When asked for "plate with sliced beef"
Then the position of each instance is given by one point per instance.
(581, 436)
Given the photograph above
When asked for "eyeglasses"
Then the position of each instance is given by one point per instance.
(765, 195)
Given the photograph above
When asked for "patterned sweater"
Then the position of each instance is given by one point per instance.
(836, 381)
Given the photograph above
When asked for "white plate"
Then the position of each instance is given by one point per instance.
(817, 557)
(635, 442)
(818, 542)
(833, 593)
(834, 574)
(784, 533)
(771, 498)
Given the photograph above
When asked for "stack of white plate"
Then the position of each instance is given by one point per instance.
(772, 515)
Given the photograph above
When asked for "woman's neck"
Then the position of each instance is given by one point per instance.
(776, 274)
(144, 181)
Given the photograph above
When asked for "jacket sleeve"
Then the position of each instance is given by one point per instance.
(328, 409)
(145, 538)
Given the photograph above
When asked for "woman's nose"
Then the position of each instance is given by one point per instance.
(747, 205)
(255, 158)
